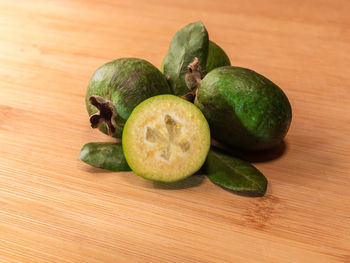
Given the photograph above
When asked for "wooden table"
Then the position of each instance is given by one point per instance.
(54, 208)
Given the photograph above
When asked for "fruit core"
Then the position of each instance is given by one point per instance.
(168, 142)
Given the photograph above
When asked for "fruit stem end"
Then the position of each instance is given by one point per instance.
(193, 79)
(106, 113)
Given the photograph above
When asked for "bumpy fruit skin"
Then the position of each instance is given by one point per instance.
(126, 82)
(244, 109)
(216, 58)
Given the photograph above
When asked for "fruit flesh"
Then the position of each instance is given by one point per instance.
(244, 109)
(166, 139)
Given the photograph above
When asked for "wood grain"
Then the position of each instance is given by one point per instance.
(54, 208)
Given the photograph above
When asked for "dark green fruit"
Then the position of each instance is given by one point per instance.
(117, 87)
(233, 173)
(244, 109)
(166, 139)
(216, 58)
(105, 155)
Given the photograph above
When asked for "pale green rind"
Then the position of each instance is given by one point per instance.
(152, 102)
(233, 173)
(189, 42)
(105, 155)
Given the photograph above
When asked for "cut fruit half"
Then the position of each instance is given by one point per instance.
(166, 139)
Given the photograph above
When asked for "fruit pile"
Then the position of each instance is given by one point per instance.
(166, 118)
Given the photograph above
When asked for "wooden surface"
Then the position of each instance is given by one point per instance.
(54, 208)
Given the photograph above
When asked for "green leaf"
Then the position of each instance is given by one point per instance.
(233, 173)
(105, 155)
(216, 57)
(189, 42)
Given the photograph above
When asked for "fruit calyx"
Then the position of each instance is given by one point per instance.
(106, 113)
(193, 79)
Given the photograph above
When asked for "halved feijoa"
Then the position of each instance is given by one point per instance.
(166, 139)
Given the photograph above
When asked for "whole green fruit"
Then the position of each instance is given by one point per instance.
(117, 87)
(244, 109)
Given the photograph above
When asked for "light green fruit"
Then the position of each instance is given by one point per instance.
(166, 139)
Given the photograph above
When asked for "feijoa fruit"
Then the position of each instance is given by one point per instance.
(166, 139)
(244, 109)
(117, 87)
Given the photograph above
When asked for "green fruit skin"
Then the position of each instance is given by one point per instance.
(216, 58)
(244, 109)
(126, 82)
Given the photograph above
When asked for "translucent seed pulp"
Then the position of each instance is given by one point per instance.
(169, 140)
